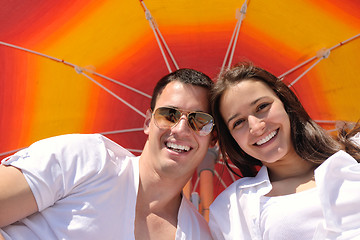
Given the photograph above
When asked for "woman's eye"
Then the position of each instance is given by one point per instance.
(263, 106)
(238, 123)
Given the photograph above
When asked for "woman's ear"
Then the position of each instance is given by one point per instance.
(147, 121)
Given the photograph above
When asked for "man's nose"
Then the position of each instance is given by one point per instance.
(182, 126)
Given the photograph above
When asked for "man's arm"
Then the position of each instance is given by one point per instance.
(16, 198)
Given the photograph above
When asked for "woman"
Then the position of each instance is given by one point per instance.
(308, 183)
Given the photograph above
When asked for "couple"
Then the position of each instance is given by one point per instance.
(88, 187)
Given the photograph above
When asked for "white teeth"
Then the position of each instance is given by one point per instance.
(266, 139)
(177, 148)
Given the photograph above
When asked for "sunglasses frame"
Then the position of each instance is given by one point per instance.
(186, 113)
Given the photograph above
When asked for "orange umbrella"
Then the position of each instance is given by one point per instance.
(105, 60)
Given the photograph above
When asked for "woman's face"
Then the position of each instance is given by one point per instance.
(257, 120)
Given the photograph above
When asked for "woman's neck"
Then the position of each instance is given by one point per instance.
(291, 177)
(295, 167)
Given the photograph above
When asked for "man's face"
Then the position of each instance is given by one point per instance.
(177, 151)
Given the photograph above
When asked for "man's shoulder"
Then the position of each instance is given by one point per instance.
(69, 139)
(77, 142)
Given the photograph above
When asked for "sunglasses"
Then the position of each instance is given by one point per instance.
(200, 122)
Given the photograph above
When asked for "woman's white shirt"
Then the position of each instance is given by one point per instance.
(236, 213)
(299, 212)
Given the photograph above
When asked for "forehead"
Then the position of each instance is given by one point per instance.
(246, 89)
(184, 96)
(241, 96)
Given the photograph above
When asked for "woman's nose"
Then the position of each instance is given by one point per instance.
(256, 125)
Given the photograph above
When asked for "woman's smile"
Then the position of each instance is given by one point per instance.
(267, 138)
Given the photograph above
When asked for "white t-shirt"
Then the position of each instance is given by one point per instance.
(85, 186)
(236, 212)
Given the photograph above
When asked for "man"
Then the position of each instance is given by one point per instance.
(87, 187)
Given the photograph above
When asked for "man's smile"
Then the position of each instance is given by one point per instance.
(177, 147)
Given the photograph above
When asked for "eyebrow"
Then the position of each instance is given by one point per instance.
(251, 104)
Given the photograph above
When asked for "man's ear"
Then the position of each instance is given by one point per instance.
(214, 138)
(147, 121)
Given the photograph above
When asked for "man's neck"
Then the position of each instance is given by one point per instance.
(158, 195)
(157, 206)
(156, 185)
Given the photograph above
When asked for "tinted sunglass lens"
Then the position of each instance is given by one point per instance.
(167, 117)
(201, 123)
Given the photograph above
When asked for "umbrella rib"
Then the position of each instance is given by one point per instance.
(305, 72)
(241, 18)
(223, 163)
(297, 67)
(196, 184)
(325, 121)
(74, 66)
(158, 37)
(167, 48)
(134, 150)
(220, 179)
(16, 150)
(10, 152)
(123, 131)
(344, 42)
(113, 94)
(324, 55)
(79, 70)
(161, 48)
(234, 37)
(231, 174)
(102, 133)
(234, 46)
(229, 47)
(121, 84)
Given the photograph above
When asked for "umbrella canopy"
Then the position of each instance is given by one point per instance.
(90, 41)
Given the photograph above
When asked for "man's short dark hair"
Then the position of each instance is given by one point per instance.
(184, 75)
